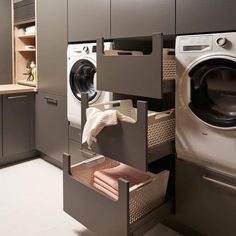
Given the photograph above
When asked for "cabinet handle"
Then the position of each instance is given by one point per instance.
(17, 97)
(217, 182)
(51, 100)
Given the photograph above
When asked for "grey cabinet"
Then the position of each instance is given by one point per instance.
(88, 20)
(142, 17)
(51, 125)
(198, 16)
(205, 200)
(24, 10)
(77, 153)
(52, 46)
(5, 42)
(18, 123)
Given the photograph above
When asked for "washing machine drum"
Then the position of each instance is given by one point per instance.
(82, 78)
(213, 92)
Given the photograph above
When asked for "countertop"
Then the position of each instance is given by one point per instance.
(15, 88)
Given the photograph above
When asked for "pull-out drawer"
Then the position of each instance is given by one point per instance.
(135, 74)
(205, 199)
(132, 212)
(150, 138)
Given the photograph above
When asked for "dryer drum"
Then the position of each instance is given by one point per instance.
(213, 92)
(82, 79)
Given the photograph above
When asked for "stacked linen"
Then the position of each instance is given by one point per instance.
(106, 180)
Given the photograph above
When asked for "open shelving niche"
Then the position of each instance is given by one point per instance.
(23, 54)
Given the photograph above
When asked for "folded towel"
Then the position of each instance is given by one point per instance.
(105, 186)
(104, 190)
(110, 176)
(97, 120)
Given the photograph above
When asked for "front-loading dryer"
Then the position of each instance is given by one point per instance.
(206, 100)
(81, 77)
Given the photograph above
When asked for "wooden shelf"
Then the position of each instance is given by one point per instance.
(24, 55)
(27, 83)
(25, 36)
(26, 50)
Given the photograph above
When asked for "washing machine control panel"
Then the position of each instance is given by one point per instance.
(86, 49)
(195, 43)
(221, 41)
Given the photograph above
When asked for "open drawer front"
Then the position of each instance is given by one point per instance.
(137, 144)
(134, 211)
(145, 75)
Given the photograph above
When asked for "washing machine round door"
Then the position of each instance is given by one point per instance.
(83, 78)
(213, 92)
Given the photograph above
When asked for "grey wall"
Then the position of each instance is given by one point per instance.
(5, 42)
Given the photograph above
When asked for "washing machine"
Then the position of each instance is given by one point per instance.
(81, 77)
(206, 100)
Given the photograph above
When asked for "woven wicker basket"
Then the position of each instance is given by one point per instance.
(169, 64)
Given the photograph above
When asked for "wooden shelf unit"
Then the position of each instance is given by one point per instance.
(22, 54)
(26, 50)
(25, 36)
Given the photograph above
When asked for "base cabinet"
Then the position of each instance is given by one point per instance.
(51, 125)
(18, 123)
(205, 200)
(17, 114)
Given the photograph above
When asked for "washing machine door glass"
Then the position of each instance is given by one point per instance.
(82, 79)
(213, 92)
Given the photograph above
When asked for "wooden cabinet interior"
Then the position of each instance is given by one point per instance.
(25, 55)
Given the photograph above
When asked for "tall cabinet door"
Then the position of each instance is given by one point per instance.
(52, 46)
(88, 20)
(5, 42)
(199, 16)
(51, 125)
(142, 17)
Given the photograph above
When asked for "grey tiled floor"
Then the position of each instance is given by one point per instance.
(31, 203)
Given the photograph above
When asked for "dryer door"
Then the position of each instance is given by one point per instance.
(82, 79)
(213, 92)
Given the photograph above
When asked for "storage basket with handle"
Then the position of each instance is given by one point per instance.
(161, 125)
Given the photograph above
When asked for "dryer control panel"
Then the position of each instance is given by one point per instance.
(196, 43)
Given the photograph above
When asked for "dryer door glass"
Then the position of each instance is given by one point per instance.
(82, 79)
(213, 92)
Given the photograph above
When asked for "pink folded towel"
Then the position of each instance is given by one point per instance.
(105, 185)
(107, 180)
(104, 190)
